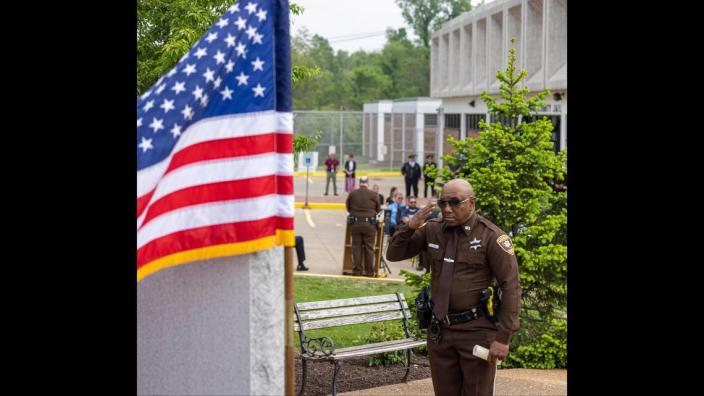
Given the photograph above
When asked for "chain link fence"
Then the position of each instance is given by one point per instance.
(340, 129)
(351, 132)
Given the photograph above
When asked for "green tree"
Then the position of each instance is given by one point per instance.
(513, 169)
(368, 82)
(406, 65)
(426, 16)
(167, 29)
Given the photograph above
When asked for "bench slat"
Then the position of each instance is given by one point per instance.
(348, 320)
(345, 302)
(356, 310)
(371, 349)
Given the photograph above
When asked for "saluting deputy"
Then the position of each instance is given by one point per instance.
(466, 253)
(363, 206)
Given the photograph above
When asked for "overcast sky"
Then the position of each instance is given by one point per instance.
(343, 22)
(351, 24)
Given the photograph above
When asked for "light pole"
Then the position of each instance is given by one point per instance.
(307, 158)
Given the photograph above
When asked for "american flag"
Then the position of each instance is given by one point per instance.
(214, 144)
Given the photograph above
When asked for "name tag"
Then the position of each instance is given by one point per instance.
(434, 246)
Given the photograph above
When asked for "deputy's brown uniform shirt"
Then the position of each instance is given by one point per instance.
(484, 252)
(363, 202)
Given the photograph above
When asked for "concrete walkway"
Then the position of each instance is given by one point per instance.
(323, 226)
(323, 229)
(530, 382)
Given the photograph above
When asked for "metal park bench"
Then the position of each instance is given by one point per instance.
(351, 311)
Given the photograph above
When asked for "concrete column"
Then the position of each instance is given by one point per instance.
(213, 327)
(391, 142)
(463, 126)
(403, 136)
(440, 136)
(419, 136)
(563, 131)
(364, 132)
(380, 136)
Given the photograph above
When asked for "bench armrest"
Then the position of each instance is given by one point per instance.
(320, 347)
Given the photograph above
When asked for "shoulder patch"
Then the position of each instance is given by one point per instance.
(505, 242)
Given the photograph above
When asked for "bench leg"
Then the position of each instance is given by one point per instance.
(334, 378)
(305, 375)
(408, 365)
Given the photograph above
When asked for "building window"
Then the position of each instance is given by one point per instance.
(503, 119)
(431, 120)
(473, 121)
(452, 121)
(555, 120)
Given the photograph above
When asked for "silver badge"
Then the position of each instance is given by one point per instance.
(475, 243)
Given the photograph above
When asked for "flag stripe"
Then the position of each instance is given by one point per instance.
(235, 232)
(215, 213)
(143, 201)
(216, 128)
(232, 147)
(221, 149)
(215, 171)
(282, 237)
(221, 191)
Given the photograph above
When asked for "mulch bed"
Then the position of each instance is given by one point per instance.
(355, 374)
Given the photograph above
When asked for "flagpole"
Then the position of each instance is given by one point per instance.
(290, 369)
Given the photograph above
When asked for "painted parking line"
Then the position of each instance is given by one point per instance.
(308, 218)
(313, 205)
(352, 277)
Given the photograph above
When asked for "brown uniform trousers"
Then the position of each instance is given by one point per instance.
(363, 202)
(484, 252)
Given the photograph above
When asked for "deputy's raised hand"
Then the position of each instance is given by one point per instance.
(416, 221)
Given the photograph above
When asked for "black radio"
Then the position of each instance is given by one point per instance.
(424, 308)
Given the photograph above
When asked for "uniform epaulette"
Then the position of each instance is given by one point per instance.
(491, 225)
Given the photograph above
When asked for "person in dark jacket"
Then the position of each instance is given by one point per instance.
(411, 172)
(350, 168)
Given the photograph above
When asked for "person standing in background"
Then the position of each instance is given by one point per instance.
(350, 168)
(331, 167)
(411, 172)
(363, 207)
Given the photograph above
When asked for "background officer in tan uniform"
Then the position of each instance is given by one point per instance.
(481, 253)
(363, 206)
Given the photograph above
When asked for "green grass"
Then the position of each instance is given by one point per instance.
(308, 288)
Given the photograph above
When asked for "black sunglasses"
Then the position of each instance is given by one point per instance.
(454, 202)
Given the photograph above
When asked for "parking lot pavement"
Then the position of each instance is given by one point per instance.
(323, 232)
(316, 188)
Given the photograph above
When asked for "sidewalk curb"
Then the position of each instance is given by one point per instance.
(315, 205)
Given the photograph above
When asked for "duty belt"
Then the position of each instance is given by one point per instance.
(462, 317)
(356, 219)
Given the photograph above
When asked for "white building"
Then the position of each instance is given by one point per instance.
(465, 54)
(467, 51)
(394, 129)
